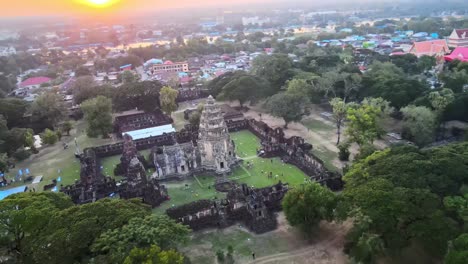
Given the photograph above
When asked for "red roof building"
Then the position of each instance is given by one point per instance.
(34, 82)
(460, 54)
(458, 38)
(437, 48)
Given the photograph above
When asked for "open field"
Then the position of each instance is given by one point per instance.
(55, 161)
(283, 245)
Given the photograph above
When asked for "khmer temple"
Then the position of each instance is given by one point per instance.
(204, 150)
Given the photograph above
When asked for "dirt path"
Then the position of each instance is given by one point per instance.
(326, 246)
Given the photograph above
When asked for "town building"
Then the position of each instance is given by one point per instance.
(169, 66)
(435, 48)
(460, 53)
(458, 38)
(34, 82)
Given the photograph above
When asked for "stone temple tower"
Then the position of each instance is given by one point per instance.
(217, 150)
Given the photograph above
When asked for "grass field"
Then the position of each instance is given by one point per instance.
(317, 125)
(202, 187)
(54, 161)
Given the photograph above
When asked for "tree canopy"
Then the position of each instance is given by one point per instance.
(306, 206)
(98, 115)
(290, 107)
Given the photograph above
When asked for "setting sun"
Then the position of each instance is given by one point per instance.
(99, 3)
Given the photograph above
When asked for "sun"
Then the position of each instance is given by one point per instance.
(99, 3)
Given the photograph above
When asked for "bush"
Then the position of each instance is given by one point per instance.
(344, 153)
(220, 256)
(21, 154)
(49, 137)
(365, 151)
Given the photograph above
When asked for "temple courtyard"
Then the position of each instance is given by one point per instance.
(201, 187)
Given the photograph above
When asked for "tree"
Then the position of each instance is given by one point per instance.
(274, 68)
(153, 255)
(128, 77)
(67, 126)
(194, 118)
(29, 138)
(400, 215)
(167, 99)
(426, 63)
(389, 82)
(98, 116)
(339, 114)
(245, 88)
(141, 233)
(290, 107)
(83, 88)
(82, 71)
(364, 120)
(3, 162)
(49, 137)
(420, 123)
(13, 109)
(440, 101)
(458, 250)
(48, 108)
(142, 95)
(23, 217)
(306, 206)
(70, 232)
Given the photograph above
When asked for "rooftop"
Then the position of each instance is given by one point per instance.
(35, 81)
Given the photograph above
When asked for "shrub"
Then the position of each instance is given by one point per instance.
(49, 137)
(344, 153)
(21, 154)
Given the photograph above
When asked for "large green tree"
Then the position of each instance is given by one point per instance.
(245, 88)
(307, 205)
(23, 218)
(167, 99)
(389, 82)
(458, 250)
(98, 115)
(340, 110)
(441, 170)
(290, 107)
(275, 68)
(419, 123)
(48, 108)
(13, 109)
(70, 233)
(153, 255)
(399, 216)
(140, 233)
(364, 120)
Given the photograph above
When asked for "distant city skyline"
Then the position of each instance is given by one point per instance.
(80, 8)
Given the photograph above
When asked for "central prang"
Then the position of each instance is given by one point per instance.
(213, 151)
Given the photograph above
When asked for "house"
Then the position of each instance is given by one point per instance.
(430, 48)
(34, 82)
(169, 66)
(458, 38)
(460, 53)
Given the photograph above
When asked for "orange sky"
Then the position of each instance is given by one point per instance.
(12, 8)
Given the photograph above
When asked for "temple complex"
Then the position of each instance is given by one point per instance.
(213, 151)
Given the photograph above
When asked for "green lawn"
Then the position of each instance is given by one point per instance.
(197, 189)
(246, 143)
(317, 125)
(54, 161)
